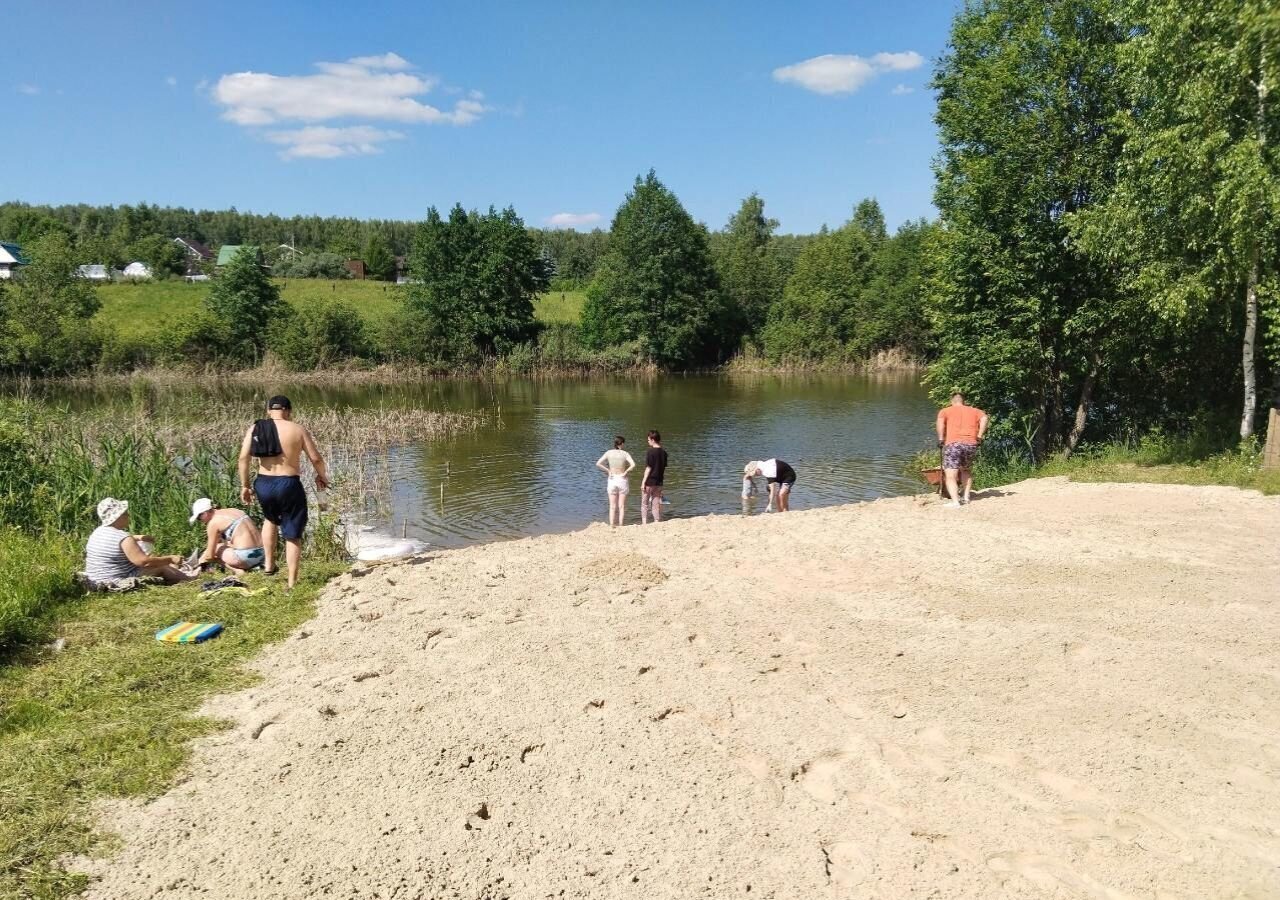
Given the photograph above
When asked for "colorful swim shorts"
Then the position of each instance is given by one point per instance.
(958, 456)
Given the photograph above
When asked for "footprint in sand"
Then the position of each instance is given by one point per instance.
(1050, 873)
(846, 865)
(818, 776)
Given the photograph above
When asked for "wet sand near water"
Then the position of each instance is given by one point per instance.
(1064, 690)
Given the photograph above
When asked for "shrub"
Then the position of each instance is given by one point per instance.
(320, 334)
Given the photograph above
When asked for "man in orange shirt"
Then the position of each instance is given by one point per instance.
(960, 429)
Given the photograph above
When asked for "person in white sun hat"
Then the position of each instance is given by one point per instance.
(232, 536)
(114, 556)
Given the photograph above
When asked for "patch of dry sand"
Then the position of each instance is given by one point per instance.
(1065, 690)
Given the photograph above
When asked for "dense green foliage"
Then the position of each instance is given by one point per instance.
(1191, 222)
(45, 316)
(852, 292)
(750, 273)
(657, 289)
(1019, 310)
(1102, 163)
(820, 309)
(311, 265)
(379, 263)
(160, 254)
(475, 277)
(320, 334)
(244, 301)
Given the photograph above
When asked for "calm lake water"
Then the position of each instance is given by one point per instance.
(531, 469)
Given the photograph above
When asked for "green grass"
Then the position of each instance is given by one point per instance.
(560, 307)
(36, 576)
(1156, 459)
(109, 716)
(139, 311)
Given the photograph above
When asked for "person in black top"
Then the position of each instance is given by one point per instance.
(655, 466)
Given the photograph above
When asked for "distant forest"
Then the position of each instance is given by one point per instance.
(117, 235)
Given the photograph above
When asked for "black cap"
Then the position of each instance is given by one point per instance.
(279, 401)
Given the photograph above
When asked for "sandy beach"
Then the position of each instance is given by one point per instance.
(1064, 690)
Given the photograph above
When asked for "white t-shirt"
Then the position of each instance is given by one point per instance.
(769, 468)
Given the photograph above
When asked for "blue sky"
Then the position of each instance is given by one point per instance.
(381, 110)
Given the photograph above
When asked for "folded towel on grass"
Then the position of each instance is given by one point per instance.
(188, 632)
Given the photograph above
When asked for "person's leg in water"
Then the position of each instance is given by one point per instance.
(784, 497)
(656, 499)
(270, 535)
(293, 558)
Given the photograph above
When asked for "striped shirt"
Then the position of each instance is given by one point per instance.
(103, 558)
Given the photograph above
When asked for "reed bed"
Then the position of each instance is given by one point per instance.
(56, 464)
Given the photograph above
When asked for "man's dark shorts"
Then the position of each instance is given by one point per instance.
(284, 502)
(958, 456)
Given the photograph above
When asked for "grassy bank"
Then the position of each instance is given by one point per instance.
(55, 465)
(1156, 459)
(110, 714)
(142, 310)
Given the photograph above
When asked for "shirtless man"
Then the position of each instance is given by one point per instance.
(279, 443)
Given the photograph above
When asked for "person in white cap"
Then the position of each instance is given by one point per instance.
(113, 555)
(233, 537)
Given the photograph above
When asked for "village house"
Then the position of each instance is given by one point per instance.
(227, 252)
(10, 258)
(197, 255)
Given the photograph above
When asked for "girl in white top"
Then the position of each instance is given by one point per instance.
(616, 463)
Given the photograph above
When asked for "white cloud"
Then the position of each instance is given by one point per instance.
(573, 220)
(171, 81)
(393, 61)
(324, 142)
(365, 87)
(835, 73)
(29, 89)
(900, 89)
(898, 62)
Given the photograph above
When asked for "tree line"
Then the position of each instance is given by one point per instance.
(661, 291)
(1109, 183)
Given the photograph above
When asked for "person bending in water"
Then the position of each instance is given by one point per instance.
(279, 444)
(780, 476)
(616, 463)
(655, 467)
(233, 538)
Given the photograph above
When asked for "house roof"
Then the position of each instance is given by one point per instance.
(227, 252)
(195, 247)
(12, 253)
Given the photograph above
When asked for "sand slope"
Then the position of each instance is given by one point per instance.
(1062, 691)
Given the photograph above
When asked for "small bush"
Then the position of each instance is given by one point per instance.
(320, 334)
(521, 359)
